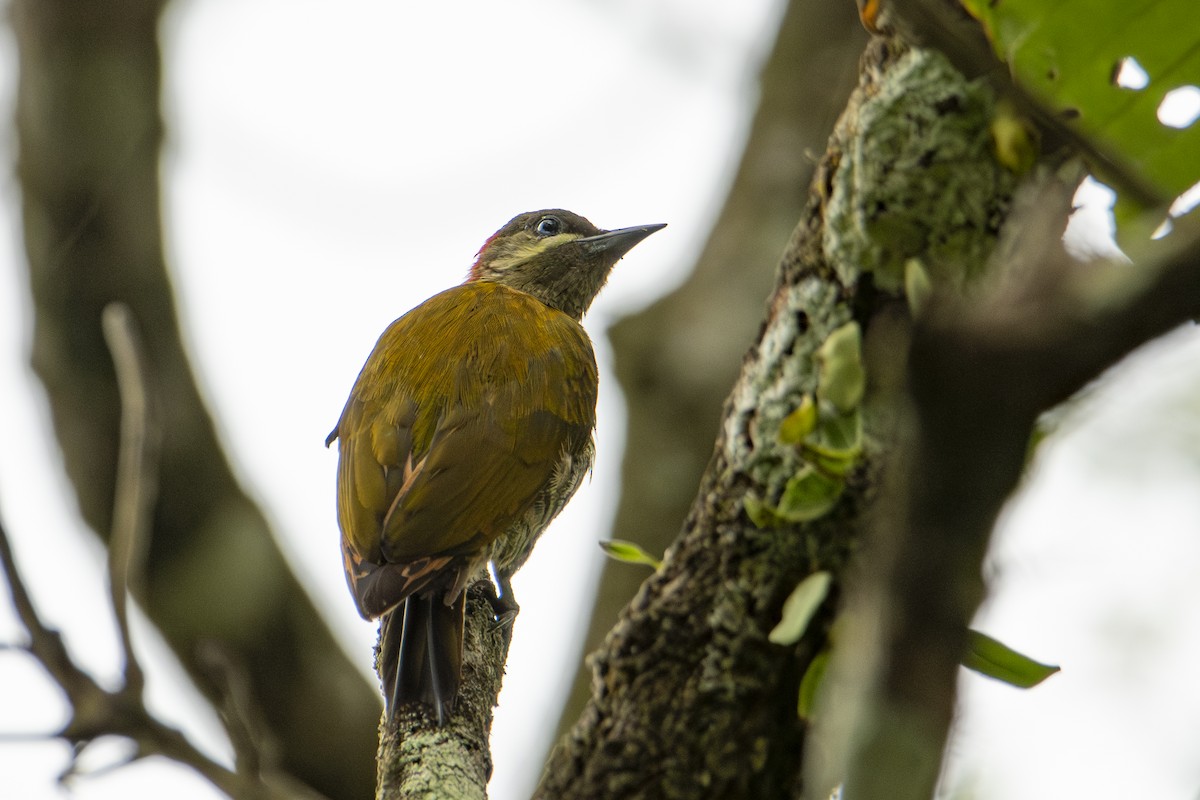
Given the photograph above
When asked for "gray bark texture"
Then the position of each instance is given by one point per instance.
(90, 132)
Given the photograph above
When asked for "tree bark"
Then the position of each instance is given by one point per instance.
(689, 697)
(418, 759)
(90, 132)
(676, 359)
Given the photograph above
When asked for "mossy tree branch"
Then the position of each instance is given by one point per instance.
(417, 758)
(979, 372)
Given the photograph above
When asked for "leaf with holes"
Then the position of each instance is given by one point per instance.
(1109, 67)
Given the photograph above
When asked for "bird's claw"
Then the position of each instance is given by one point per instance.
(503, 603)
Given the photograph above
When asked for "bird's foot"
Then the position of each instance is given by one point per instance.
(505, 611)
(503, 602)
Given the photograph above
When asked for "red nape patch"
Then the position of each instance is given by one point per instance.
(473, 274)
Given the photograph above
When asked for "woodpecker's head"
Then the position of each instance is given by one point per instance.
(555, 255)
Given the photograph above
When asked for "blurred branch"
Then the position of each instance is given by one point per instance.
(254, 749)
(137, 470)
(89, 132)
(972, 418)
(96, 712)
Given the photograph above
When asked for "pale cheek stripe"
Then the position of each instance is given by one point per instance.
(525, 252)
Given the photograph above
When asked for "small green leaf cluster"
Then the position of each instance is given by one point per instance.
(826, 427)
(798, 611)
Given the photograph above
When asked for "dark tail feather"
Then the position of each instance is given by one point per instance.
(420, 658)
(391, 628)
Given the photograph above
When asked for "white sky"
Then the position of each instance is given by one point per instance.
(314, 146)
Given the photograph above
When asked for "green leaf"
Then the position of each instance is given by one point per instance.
(810, 684)
(809, 495)
(996, 660)
(836, 444)
(1014, 138)
(628, 552)
(1069, 52)
(917, 286)
(799, 608)
(761, 514)
(799, 423)
(841, 378)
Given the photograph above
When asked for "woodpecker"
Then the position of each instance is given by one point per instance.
(467, 431)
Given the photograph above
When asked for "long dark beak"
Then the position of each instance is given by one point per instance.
(617, 243)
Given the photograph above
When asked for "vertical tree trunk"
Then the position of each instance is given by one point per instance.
(676, 359)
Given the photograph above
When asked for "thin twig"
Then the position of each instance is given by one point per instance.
(45, 644)
(136, 481)
(253, 749)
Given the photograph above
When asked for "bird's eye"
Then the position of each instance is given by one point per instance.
(548, 226)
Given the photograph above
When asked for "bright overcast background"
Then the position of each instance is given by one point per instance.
(330, 165)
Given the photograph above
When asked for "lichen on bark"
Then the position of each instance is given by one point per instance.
(917, 178)
(690, 699)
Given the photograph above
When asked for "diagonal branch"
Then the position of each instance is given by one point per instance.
(690, 694)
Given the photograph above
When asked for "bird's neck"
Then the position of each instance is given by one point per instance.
(571, 294)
